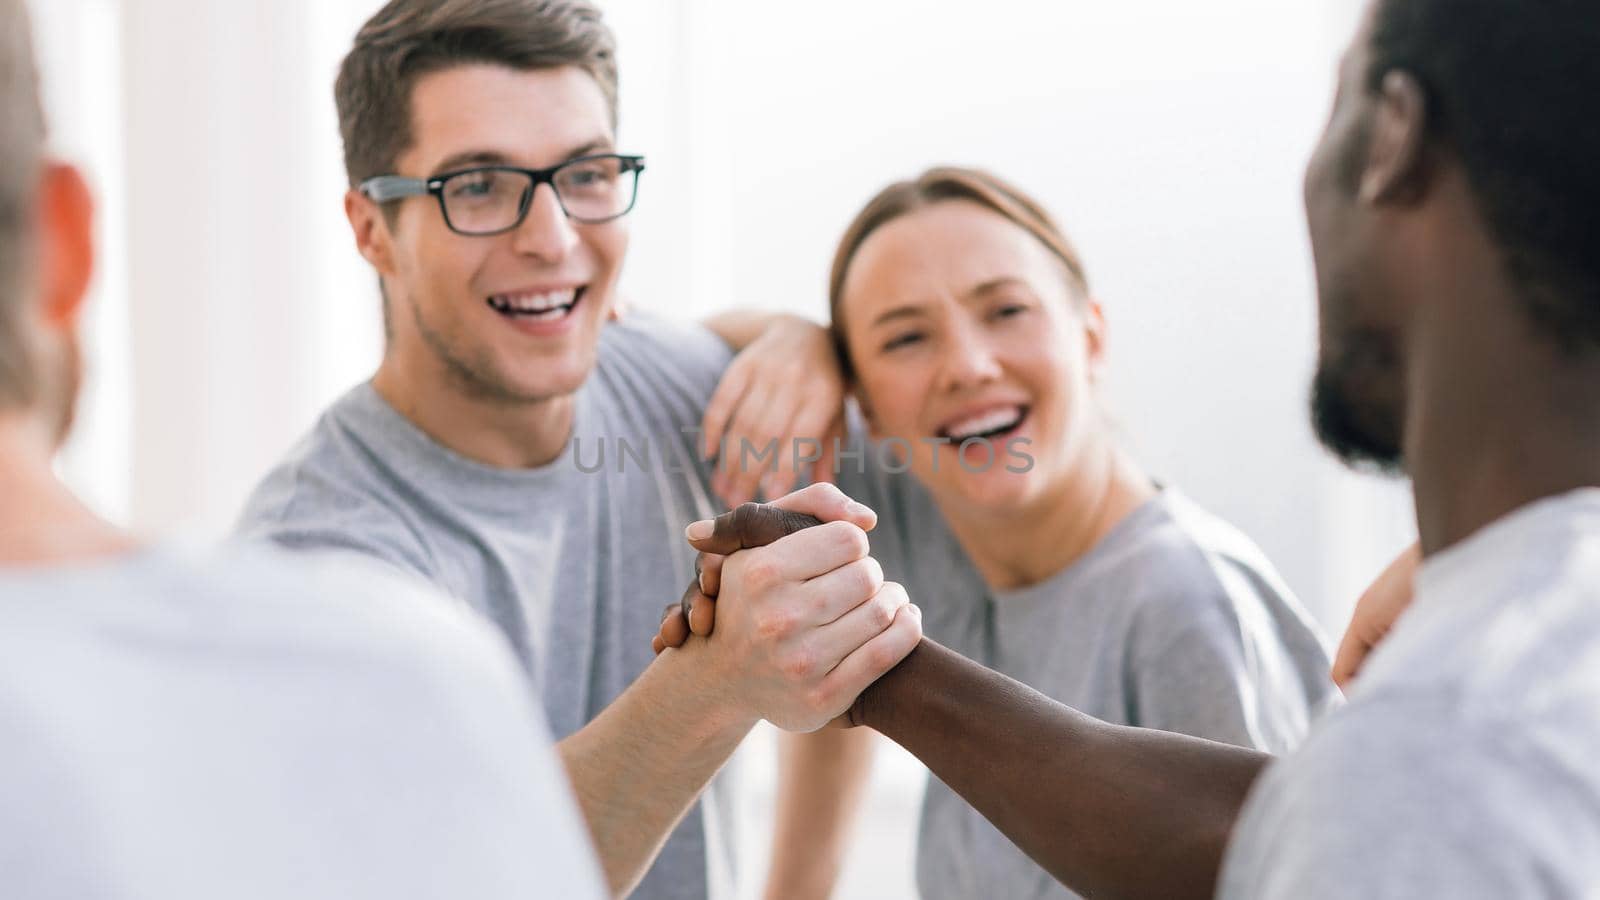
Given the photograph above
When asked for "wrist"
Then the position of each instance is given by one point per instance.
(704, 688)
(816, 881)
(877, 706)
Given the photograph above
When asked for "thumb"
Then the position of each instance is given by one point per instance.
(747, 526)
(759, 524)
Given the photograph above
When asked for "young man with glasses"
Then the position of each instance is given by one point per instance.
(489, 196)
(238, 723)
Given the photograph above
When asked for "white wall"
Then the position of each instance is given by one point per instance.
(78, 50)
(230, 309)
(1168, 136)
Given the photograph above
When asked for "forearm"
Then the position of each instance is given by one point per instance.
(822, 778)
(1108, 810)
(739, 328)
(638, 767)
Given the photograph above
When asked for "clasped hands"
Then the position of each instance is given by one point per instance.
(806, 621)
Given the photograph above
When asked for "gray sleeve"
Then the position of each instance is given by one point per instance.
(1190, 677)
(332, 538)
(1199, 667)
(1401, 802)
(282, 512)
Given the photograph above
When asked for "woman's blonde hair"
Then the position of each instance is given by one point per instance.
(936, 186)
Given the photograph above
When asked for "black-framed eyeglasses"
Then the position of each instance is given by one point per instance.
(486, 200)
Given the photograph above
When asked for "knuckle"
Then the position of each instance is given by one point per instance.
(761, 574)
(774, 624)
(861, 580)
(913, 628)
(819, 604)
(799, 663)
(825, 491)
(859, 545)
(744, 517)
(818, 699)
(882, 656)
(883, 612)
(847, 540)
(872, 571)
(774, 424)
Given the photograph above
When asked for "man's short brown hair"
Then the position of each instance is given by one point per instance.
(21, 146)
(411, 38)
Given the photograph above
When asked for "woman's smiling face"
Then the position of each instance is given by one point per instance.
(960, 324)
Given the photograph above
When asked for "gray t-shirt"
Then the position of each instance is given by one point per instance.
(246, 724)
(1467, 762)
(1174, 620)
(574, 566)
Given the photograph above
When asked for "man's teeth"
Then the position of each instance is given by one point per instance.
(540, 306)
(992, 422)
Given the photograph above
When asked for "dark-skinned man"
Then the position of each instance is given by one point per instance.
(1454, 209)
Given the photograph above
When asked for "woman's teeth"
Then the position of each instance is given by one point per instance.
(988, 424)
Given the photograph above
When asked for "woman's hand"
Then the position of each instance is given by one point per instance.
(785, 390)
(1375, 614)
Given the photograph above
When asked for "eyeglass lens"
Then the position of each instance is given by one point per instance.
(489, 200)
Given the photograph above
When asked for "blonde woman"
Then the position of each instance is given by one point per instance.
(964, 327)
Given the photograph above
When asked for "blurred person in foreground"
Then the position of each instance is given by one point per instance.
(1454, 210)
(238, 723)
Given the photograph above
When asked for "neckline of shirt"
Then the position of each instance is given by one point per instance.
(1051, 588)
(1458, 588)
(1461, 561)
(479, 483)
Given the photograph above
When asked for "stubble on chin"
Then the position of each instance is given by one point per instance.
(1357, 403)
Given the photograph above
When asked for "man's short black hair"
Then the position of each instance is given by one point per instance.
(1513, 89)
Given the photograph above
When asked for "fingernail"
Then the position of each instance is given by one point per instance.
(698, 531)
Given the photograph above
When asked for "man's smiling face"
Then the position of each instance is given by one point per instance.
(464, 308)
